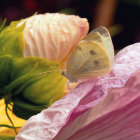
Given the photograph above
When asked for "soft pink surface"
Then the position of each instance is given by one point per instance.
(53, 35)
(91, 97)
(117, 117)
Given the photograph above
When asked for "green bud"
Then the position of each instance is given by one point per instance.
(31, 84)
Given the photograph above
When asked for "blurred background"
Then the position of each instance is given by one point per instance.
(121, 17)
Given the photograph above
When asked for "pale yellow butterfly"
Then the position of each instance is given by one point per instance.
(92, 57)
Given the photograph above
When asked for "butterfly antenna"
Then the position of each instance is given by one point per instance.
(45, 72)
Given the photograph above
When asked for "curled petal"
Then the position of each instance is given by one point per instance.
(116, 117)
(88, 95)
(53, 35)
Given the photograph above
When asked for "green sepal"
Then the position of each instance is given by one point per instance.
(35, 84)
(31, 84)
(7, 138)
(25, 109)
(2, 25)
(12, 40)
(6, 63)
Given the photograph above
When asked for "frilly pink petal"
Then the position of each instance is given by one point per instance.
(53, 35)
(86, 96)
(117, 117)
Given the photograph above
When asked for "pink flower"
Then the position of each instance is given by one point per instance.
(107, 108)
(53, 35)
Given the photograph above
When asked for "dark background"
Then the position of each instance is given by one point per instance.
(121, 17)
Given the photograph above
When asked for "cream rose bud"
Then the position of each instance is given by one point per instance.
(53, 35)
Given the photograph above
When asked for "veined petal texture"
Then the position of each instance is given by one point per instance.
(53, 35)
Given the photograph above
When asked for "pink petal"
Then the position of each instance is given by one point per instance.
(86, 95)
(53, 35)
(117, 117)
(127, 62)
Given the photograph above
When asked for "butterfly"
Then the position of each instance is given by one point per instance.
(92, 57)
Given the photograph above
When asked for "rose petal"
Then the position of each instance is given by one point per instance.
(53, 35)
(116, 117)
(87, 94)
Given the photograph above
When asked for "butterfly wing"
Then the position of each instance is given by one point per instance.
(92, 57)
(89, 60)
(107, 41)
